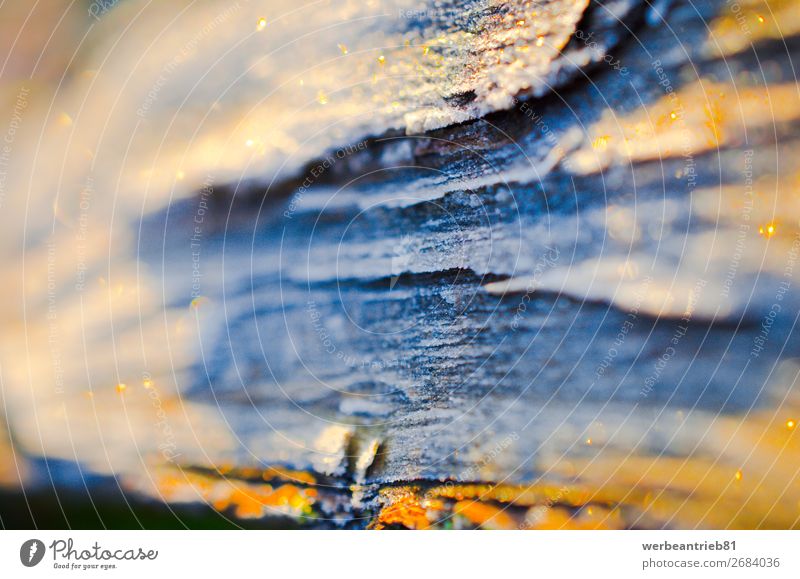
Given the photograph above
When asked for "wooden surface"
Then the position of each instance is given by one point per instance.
(543, 318)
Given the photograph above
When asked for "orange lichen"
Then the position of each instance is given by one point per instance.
(593, 517)
(269, 474)
(484, 515)
(255, 501)
(246, 500)
(491, 507)
(515, 494)
(405, 510)
(279, 472)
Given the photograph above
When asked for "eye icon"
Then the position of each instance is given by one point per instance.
(31, 553)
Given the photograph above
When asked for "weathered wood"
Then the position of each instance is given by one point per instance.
(550, 316)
